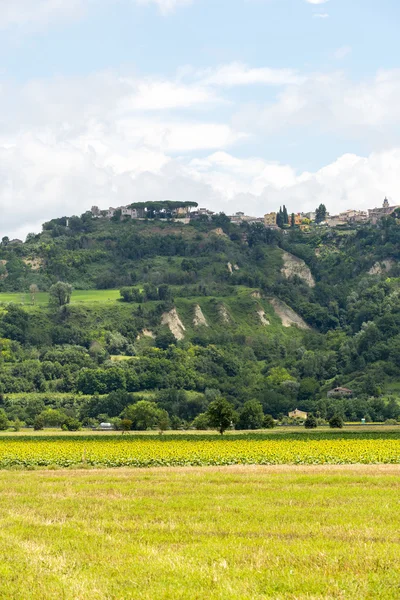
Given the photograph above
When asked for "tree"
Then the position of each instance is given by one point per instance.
(71, 424)
(320, 213)
(201, 422)
(164, 293)
(285, 215)
(279, 219)
(144, 415)
(336, 422)
(164, 339)
(33, 290)
(53, 417)
(269, 422)
(126, 424)
(308, 388)
(60, 294)
(310, 422)
(292, 220)
(4, 423)
(164, 422)
(221, 415)
(38, 423)
(251, 416)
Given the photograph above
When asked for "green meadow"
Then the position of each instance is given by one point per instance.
(245, 533)
(78, 297)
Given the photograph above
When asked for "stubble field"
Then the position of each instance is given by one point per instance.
(243, 532)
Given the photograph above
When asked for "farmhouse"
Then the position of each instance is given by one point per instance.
(298, 414)
(339, 392)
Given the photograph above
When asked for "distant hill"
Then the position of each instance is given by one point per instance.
(249, 312)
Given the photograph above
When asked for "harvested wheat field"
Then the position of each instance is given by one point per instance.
(241, 532)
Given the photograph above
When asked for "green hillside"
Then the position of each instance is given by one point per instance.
(182, 313)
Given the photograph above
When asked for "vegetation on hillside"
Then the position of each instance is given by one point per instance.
(197, 320)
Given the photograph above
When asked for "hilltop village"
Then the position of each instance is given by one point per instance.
(185, 212)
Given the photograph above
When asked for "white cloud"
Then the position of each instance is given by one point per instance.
(239, 74)
(317, 1)
(321, 16)
(36, 14)
(349, 182)
(152, 94)
(342, 52)
(109, 139)
(332, 103)
(166, 6)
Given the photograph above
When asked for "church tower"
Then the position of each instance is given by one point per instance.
(386, 203)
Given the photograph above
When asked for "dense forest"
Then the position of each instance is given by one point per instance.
(264, 318)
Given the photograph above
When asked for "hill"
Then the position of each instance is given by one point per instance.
(179, 313)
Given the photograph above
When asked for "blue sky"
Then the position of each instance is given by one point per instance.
(236, 104)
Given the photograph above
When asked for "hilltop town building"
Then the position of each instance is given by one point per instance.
(270, 219)
(375, 214)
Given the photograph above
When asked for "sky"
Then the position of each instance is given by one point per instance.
(234, 104)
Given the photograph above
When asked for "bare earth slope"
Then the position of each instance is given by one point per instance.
(287, 314)
(296, 266)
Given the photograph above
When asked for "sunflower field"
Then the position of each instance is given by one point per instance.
(150, 451)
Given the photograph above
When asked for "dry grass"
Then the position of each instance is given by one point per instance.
(228, 533)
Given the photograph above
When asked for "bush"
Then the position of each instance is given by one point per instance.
(310, 422)
(125, 424)
(71, 424)
(17, 424)
(200, 422)
(4, 423)
(269, 422)
(251, 416)
(336, 422)
(38, 423)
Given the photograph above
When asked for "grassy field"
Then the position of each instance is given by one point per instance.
(245, 533)
(78, 297)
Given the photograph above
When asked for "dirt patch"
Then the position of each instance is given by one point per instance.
(256, 294)
(230, 269)
(146, 333)
(3, 275)
(34, 263)
(172, 320)
(199, 319)
(292, 265)
(263, 318)
(223, 313)
(287, 314)
(219, 232)
(381, 267)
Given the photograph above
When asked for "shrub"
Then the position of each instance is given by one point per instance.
(200, 422)
(4, 423)
(71, 424)
(336, 422)
(38, 423)
(269, 422)
(125, 424)
(310, 422)
(251, 416)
